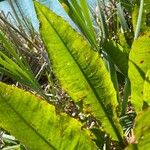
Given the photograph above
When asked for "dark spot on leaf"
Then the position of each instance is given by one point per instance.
(49, 140)
(142, 61)
(145, 105)
(141, 92)
(143, 33)
(147, 78)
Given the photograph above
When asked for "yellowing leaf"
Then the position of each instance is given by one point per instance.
(139, 64)
(35, 123)
(79, 69)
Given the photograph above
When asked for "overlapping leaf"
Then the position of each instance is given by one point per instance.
(139, 64)
(79, 13)
(35, 123)
(118, 55)
(80, 70)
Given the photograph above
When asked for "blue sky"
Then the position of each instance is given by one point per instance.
(28, 9)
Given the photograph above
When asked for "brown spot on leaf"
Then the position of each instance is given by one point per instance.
(142, 61)
(143, 33)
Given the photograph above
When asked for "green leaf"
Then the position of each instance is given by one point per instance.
(102, 19)
(85, 10)
(121, 17)
(142, 125)
(79, 13)
(146, 90)
(80, 70)
(142, 132)
(135, 16)
(145, 25)
(139, 65)
(13, 65)
(118, 55)
(35, 123)
(142, 129)
(141, 17)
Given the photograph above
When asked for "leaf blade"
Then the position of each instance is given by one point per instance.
(79, 69)
(36, 124)
(138, 66)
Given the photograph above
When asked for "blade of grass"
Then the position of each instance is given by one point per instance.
(86, 13)
(12, 51)
(138, 25)
(76, 6)
(17, 17)
(83, 28)
(10, 68)
(77, 15)
(122, 18)
(102, 20)
(17, 31)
